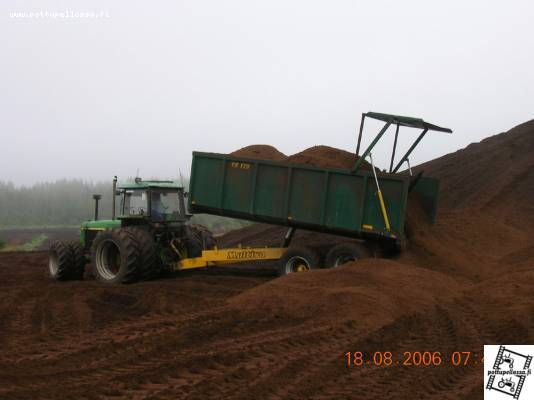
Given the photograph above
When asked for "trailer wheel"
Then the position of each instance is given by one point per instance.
(149, 263)
(343, 253)
(299, 259)
(60, 261)
(115, 256)
(78, 260)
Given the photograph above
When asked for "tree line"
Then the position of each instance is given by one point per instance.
(60, 203)
(68, 202)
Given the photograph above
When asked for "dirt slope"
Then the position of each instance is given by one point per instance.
(495, 176)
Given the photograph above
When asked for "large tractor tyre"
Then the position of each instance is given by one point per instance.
(299, 259)
(344, 253)
(208, 240)
(149, 263)
(78, 260)
(199, 238)
(60, 261)
(115, 257)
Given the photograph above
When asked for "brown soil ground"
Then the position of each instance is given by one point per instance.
(241, 333)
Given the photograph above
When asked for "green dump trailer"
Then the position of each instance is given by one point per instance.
(352, 202)
(321, 199)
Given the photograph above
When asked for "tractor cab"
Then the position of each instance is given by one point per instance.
(155, 201)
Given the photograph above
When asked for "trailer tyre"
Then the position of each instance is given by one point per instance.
(115, 256)
(343, 253)
(149, 263)
(78, 260)
(60, 261)
(299, 259)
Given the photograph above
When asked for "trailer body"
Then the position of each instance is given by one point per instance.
(323, 199)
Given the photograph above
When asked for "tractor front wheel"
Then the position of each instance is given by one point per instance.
(115, 256)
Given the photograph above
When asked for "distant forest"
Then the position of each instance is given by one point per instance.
(68, 203)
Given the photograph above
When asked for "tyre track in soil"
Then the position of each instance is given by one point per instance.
(273, 361)
(34, 357)
(259, 339)
(203, 354)
(295, 353)
(125, 334)
(152, 357)
(329, 375)
(455, 326)
(282, 379)
(259, 357)
(99, 350)
(426, 332)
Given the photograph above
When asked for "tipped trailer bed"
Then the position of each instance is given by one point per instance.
(351, 202)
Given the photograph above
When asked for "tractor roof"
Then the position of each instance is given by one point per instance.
(140, 184)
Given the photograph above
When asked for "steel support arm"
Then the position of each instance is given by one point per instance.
(368, 150)
(410, 150)
(360, 135)
(394, 148)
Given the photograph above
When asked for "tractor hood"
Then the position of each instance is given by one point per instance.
(101, 224)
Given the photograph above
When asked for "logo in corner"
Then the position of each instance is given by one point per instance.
(506, 369)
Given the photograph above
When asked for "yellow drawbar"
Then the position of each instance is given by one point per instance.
(230, 256)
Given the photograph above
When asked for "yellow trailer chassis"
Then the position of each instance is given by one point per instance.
(230, 256)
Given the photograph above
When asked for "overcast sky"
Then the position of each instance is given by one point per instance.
(148, 82)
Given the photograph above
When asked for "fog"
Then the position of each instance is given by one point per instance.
(146, 83)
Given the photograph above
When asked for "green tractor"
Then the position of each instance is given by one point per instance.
(150, 234)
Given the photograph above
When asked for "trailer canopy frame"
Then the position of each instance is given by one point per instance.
(399, 121)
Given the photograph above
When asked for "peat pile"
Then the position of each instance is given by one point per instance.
(486, 216)
(328, 157)
(260, 152)
(316, 156)
(495, 176)
(330, 295)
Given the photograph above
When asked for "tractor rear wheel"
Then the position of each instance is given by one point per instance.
(149, 263)
(199, 238)
(115, 256)
(299, 259)
(60, 261)
(344, 253)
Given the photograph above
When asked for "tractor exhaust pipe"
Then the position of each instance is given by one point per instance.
(114, 197)
(97, 198)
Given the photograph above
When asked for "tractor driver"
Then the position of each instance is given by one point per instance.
(158, 210)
